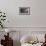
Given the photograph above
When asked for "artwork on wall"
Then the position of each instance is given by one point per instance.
(24, 10)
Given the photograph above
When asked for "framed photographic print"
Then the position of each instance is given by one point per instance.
(24, 10)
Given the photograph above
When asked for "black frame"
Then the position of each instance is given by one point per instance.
(24, 10)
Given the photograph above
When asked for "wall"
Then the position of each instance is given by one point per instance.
(38, 13)
(36, 19)
(11, 7)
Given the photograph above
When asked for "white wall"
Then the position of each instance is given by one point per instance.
(39, 13)
(36, 19)
(34, 22)
(11, 7)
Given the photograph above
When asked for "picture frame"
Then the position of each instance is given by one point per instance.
(24, 10)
